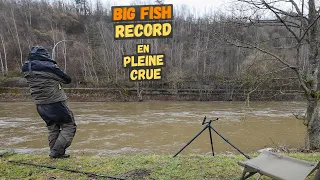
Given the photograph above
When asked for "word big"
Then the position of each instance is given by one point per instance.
(142, 13)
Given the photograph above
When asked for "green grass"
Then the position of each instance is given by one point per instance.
(131, 167)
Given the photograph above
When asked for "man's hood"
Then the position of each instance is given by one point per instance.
(39, 53)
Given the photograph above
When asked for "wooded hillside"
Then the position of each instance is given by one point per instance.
(199, 56)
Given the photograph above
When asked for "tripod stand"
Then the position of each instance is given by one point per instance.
(208, 126)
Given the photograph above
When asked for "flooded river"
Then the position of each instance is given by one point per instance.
(113, 128)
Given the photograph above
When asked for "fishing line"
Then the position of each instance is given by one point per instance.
(69, 170)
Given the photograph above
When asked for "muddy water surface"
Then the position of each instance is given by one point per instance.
(113, 128)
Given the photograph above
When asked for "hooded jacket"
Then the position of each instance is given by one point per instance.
(44, 77)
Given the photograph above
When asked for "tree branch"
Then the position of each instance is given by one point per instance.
(294, 68)
(277, 10)
(296, 7)
(274, 23)
(281, 20)
(305, 32)
(251, 46)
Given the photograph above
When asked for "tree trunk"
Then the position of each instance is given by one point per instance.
(64, 52)
(5, 55)
(313, 124)
(139, 92)
(17, 35)
(1, 62)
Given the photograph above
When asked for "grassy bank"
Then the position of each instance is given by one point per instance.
(132, 167)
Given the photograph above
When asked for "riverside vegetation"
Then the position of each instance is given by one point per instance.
(133, 167)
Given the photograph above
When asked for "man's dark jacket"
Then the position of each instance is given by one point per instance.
(44, 79)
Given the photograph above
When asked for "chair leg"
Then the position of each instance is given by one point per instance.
(243, 174)
(249, 175)
(245, 171)
(259, 177)
(317, 175)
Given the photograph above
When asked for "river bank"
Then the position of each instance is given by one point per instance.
(133, 167)
(14, 94)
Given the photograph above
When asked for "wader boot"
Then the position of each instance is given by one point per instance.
(60, 138)
(61, 127)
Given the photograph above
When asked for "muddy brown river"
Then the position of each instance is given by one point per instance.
(113, 128)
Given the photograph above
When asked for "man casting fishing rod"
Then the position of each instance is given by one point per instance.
(45, 79)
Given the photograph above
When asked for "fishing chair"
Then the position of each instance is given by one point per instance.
(278, 166)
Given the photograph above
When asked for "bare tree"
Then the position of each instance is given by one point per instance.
(303, 29)
(64, 51)
(17, 35)
(5, 69)
(1, 62)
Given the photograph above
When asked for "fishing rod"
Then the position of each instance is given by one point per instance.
(53, 55)
(69, 170)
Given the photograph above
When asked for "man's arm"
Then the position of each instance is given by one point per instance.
(64, 76)
(46, 66)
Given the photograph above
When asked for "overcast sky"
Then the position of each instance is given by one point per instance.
(200, 6)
